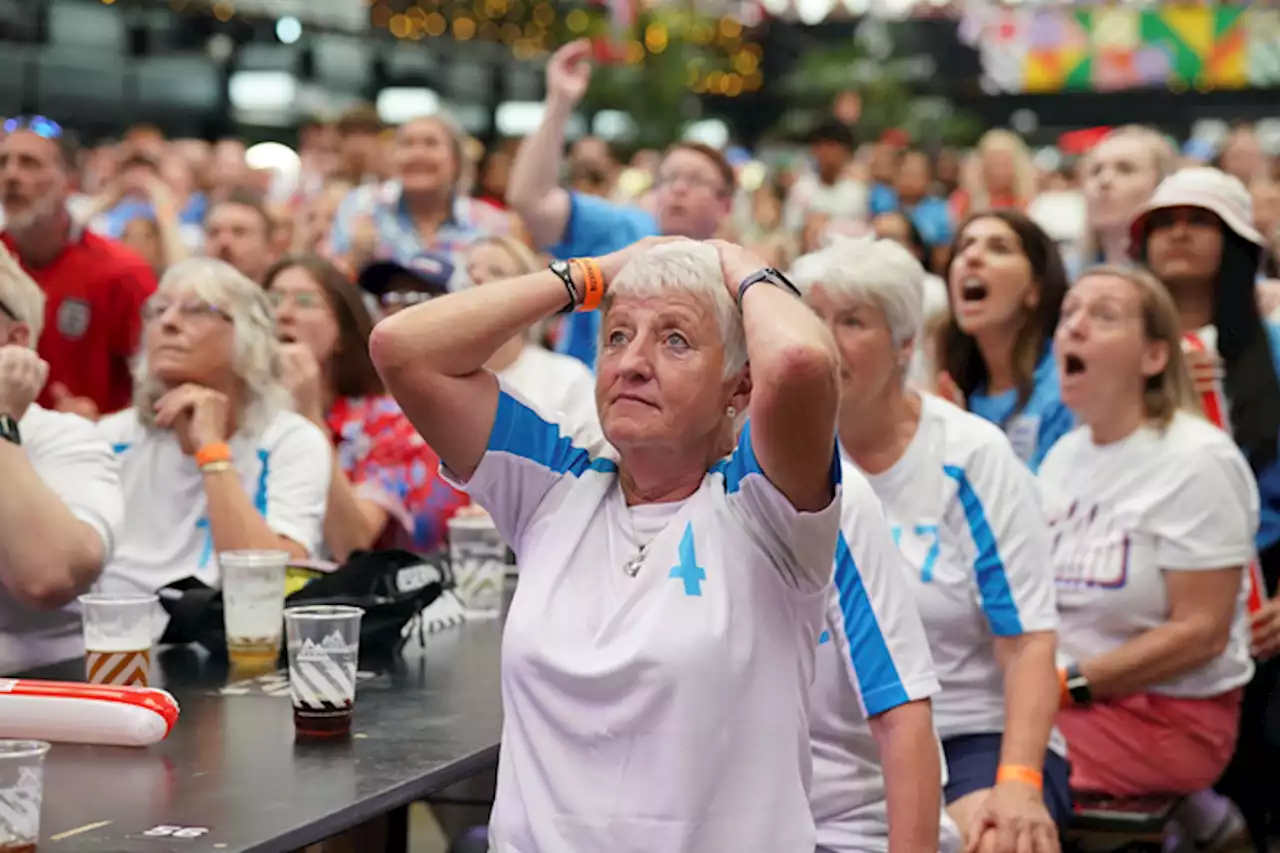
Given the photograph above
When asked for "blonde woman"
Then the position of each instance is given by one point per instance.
(1117, 177)
(212, 456)
(1002, 175)
(1153, 512)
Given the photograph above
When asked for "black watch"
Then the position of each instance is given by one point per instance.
(565, 273)
(9, 430)
(768, 275)
(1078, 686)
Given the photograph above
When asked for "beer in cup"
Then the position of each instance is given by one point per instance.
(21, 790)
(252, 606)
(118, 634)
(324, 652)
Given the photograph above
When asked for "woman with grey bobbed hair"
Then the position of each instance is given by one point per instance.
(658, 650)
(212, 458)
(964, 513)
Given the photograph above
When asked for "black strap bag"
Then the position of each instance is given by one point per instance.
(393, 587)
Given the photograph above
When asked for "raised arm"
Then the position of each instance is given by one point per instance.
(533, 188)
(795, 392)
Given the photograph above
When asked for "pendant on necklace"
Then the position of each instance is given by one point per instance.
(631, 567)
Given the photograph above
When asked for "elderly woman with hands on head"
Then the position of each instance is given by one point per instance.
(657, 654)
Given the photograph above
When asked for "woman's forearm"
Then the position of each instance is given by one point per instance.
(1031, 696)
(1153, 657)
(912, 776)
(351, 523)
(456, 334)
(234, 522)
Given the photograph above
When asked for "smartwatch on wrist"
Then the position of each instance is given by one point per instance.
(1078, 686)
(565, 273)
(9, 430)
(768, 275)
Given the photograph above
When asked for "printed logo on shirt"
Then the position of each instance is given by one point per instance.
(73, 318)
(1024, 435)
(1091, 547)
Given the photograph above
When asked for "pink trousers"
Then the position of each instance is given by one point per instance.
(1150, 744)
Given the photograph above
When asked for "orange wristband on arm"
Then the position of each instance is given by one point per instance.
(592, 283)
(219, 451)
(1020, 773)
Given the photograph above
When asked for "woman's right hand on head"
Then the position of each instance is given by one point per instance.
(612, 263)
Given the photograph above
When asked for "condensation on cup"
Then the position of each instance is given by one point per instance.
(118, 636)
(253, 584)
(478, 555)
(21, 793)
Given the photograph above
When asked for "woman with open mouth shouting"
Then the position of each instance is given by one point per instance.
(1153, 511)
(1006, 282)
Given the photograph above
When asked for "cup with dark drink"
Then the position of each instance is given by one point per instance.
(21, 790)
(119, 630)
(252, 600)
(324, 650)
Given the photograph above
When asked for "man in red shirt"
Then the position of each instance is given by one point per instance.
(94, 287)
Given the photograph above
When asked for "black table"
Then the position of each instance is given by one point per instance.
(231, 777)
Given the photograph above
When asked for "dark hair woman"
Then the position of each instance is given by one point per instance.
(386, 490)
(1005, 283)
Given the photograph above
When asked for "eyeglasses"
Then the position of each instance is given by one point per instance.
(188, 309)
(693, 180)
(39, 125)
(303, 299)
(404, 298)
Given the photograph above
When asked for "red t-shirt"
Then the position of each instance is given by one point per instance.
(94, 291)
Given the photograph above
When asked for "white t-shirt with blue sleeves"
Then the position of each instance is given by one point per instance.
(872, 657)
(965, 513)
(1038, 424)
(666, 710)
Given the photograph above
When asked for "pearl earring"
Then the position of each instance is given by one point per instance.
(731, 412)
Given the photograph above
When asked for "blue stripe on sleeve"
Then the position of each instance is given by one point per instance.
(121, 447)
(743, 462)
(519, 430)
(993, 582)
(878, 679)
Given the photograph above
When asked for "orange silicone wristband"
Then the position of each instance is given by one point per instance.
(592, 284)
(1020, 773)
(219, 451)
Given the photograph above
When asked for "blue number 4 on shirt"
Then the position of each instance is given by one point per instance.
(930, 533)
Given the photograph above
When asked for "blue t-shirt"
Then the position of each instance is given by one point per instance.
(930, 215)
(595, 227)
(1040, 423)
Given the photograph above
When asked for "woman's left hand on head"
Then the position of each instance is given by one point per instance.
(736, 263)
(1012, 819)
(198, 414)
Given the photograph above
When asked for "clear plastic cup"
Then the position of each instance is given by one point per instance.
(478, 555)
(253, 606)
(324, 653)
(118, 635)
(21, 790)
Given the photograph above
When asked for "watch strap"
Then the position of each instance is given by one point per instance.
(9, 430)
(1078, 686)
(768, 275)
(565, 274)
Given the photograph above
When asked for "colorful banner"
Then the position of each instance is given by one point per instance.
(1101, 49)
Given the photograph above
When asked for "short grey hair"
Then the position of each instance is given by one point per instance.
(256, 356)
(881, 272)
(683, 266)
(21, 295)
